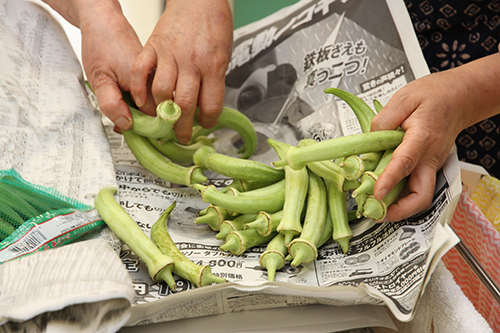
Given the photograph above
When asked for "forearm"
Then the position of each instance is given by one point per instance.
(74, 11)
(480, 99)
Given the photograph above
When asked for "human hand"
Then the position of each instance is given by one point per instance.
(187, 53)
(432, 111)
(109, 47)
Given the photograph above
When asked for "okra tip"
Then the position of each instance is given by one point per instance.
(166, 275)
(344, 244)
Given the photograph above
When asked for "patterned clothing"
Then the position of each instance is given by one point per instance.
(452, 33)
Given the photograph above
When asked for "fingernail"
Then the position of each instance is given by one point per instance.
(124, 123)
(139, 102)
(382, 193)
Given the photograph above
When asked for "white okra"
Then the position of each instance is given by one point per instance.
(356, 144)
(233, 167)
(296, 185)
(303, 249)
(160, 266)
(167, 113)
(198, 275)
(274, 257)
(156, 163)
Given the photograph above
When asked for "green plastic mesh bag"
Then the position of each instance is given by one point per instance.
(27, 211)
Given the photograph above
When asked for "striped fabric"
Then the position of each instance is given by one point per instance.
(483, 240)
(487, 197)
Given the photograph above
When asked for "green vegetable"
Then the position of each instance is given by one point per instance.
(180, 153)
(167, 113)
(273, 258)
(233, 225)
(208, 158)
(337, 204)
(298, 157)
(377, 209)
(265, 223)
(303, 249)
(213, 217)
(156, 163)
(198, 275)
(297, 182)
(160, 266)
(239, 241)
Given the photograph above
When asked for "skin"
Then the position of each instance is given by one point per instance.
(432, 111)
(188, 52)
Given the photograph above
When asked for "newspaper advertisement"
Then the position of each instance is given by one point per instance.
(277, 75)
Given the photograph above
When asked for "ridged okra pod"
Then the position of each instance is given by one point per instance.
(167, 113)
(356, 144)
(370, 177)
(213, 217)
(181, 153)
(159, 165)
(265, 223)
(239, 241)
(238, 168)
(274, 257)
(303, 249)
(233, 119)
(337, 204)
(362, 111)
(270, 198)
(198, 275)
(160, 266)
(329, 170)
(238, 223)
(296, 185)
(377, 209)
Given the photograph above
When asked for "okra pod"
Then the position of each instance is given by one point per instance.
(273, 258)
(296, 185)
(180, 153)
(363, 112)
(213, 217)
(233, 225)
(244, 202)
(356, 144)
(167, 113)
(239, 241)
(265, 223)
(198, 275)
(303, 249)
(159, 165)
(233, 167)
(160, 266)
(337, 204)
(377, 209)
(370, 177)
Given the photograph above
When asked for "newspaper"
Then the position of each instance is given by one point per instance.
(279, 69)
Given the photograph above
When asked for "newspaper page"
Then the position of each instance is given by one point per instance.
(279, 69)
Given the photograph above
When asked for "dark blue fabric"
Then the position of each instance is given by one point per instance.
(452, 33)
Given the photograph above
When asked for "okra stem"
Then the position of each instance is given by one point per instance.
(239, 241)
(265, 223)
(377, 209)
(213, 217)
(167, 113)
(233, 225)
(156, 163)
(198, 275)
(160, 266)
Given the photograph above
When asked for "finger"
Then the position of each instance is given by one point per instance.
(112, 105)
(421, 186)
(140, 73)
(403, 161)
(395, 112)
(211, 101)
(164, 80)
(186, 96)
